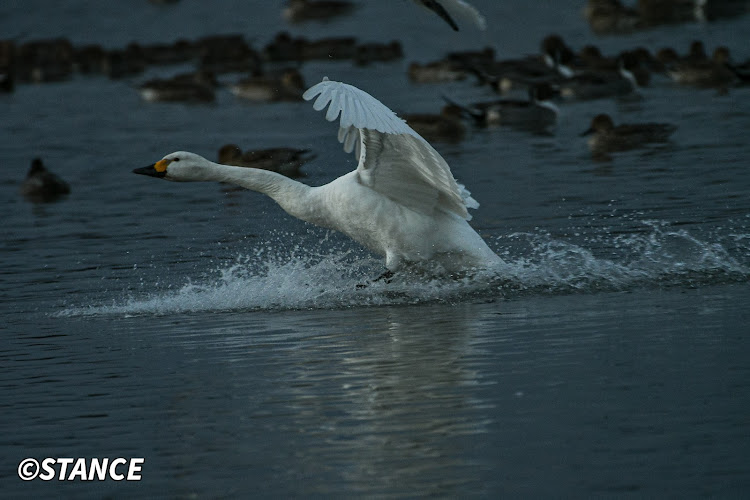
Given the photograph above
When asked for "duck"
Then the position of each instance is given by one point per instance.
(6, 81)
(453, 67)
(551, 65)
(6, 67)
(742, 70)
(436, 72)
(122, 63)
(286, 161)
(187, 87)
(633, 63)
(704, 72)
(41, 185)
(40, 61)
(7, 50)
(227, 54)
(367, 53)
(611, 17)
(537, 114)
(449, 10)
(284, 48)
(181, 51)
(90, 59)
(657, 12)
(286, 86)
(593, 59)
(479, 57)
(324, 49)
(448, 126)
(509, 75)
(558, 56)
(608, 138)
(401, 202)
(668, 57)
(696, 52)
(646, 60)
(598, 84)
(297, 11)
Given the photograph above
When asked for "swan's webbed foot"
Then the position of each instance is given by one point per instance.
(387, 277)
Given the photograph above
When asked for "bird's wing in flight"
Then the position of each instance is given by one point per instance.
(394, 160)
(450, 10)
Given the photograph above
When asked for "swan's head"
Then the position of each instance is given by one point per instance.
(178, 166)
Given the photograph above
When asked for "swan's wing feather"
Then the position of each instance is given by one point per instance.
(387, 173)
(393, 159)
(356, 107)
(394, 165)
(463, 10)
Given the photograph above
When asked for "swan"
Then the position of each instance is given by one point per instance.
(450, 9)
(401, 202)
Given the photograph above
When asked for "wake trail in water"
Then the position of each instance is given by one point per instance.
(328, 278)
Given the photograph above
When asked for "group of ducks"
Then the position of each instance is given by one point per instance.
(559, 74)
(613, 17)
(54, 60)
(282, 83)
(556, 74)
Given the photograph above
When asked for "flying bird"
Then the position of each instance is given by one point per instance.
(449, 10)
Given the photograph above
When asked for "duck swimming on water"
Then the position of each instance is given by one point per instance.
(605, 137)
(286, 161)
(401, 201)
(41, 185)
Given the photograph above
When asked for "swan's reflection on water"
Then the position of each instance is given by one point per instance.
(376, 401)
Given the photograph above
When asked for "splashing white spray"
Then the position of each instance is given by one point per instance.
(328, 278)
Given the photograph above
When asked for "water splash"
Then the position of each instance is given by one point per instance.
(331, 277)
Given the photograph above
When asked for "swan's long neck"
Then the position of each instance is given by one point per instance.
(292, 196)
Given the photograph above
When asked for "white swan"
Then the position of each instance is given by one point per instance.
(450, 9)
(401, 202)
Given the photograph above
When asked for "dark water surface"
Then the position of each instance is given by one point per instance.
(226, 343)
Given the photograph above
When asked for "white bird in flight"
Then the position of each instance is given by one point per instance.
(401, 202)
(450, 9)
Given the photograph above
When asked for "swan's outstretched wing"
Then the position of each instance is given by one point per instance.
(450, 9)
(394, 160)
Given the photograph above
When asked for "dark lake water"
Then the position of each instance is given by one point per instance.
(227, 344)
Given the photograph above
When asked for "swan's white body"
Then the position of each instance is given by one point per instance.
(401, 202)
(450, 9)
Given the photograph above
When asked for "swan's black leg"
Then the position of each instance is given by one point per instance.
(387, 276)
